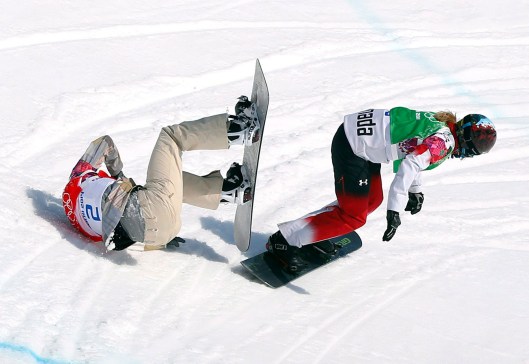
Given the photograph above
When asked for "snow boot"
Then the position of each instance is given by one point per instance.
(244, 127)
(286, 253)
(236, 187)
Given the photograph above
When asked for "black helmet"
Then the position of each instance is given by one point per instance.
(476, 135)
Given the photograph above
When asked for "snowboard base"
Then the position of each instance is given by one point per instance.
(242, 227)
(267, 268)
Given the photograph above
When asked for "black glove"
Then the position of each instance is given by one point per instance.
(415, 201)
(120, 240)
(175, 243)
(393, 223)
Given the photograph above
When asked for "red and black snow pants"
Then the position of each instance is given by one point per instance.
(358, 188)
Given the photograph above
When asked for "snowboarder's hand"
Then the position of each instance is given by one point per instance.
(393, 223)
(175, 243)
(119, 240)
(415, 201)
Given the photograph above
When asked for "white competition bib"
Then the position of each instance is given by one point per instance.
(368, 134)
(89, 209)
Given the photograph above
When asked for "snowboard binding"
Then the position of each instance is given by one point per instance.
(244, 128)
(286, 254)
(236, 187)
(325, 247)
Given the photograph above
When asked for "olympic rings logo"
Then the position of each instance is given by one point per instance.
(68, 207)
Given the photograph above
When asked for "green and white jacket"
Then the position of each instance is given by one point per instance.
(413, 140)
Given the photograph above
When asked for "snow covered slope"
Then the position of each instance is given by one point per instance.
(451, 287)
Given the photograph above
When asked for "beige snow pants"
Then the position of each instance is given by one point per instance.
(168, 186)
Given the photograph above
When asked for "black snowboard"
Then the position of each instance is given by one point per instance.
(243, 215)
(270, 270)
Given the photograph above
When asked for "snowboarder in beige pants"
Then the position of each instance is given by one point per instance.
(112, 209)
(168, 186)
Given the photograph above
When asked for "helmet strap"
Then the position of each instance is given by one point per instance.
(455, 133)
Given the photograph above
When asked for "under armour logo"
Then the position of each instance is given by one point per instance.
(363, 182)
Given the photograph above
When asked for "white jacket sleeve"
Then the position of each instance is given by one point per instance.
(416, 184)
(407, 178)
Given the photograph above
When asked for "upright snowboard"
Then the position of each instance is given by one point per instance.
(269, 269)
(243, 216)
